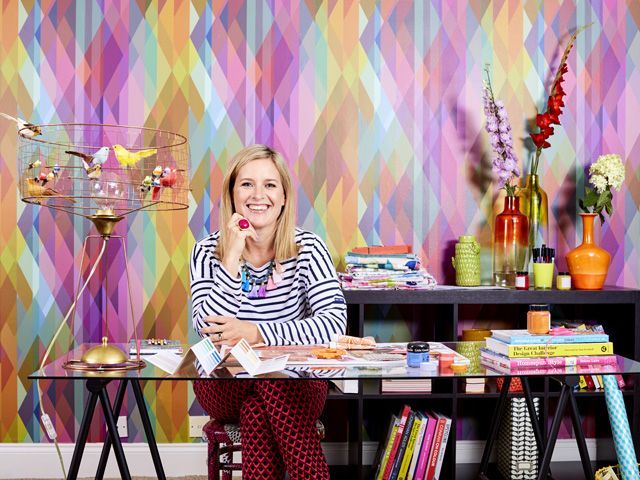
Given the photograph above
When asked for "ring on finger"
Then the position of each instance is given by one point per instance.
(219, 336)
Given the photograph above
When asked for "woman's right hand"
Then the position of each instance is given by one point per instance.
(236, 239)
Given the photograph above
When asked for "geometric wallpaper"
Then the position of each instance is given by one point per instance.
(376, 106)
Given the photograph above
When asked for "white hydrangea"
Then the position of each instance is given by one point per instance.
(608, 171)
(599, 182)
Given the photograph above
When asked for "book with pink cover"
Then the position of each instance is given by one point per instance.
(443, 446)
(441, 423)
(425, 449)
(543, 362)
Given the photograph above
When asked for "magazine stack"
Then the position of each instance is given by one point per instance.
(391, 267)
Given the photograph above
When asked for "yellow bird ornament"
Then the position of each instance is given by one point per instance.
(129, 159)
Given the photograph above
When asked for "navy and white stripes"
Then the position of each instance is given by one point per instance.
(307, 307)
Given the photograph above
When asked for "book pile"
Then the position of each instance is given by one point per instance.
(405, 385)
(392, 267)
(415, 446)
(594, 382)
(516, 350)
(475, 385)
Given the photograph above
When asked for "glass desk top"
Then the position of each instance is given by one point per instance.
(395, 370)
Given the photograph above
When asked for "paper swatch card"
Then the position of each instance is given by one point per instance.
(207, 354)
(204, 351)
(250, 361)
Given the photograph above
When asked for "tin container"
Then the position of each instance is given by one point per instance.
(417, 353)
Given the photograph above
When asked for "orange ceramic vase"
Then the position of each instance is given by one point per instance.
(588, 263)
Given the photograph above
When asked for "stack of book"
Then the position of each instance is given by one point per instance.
(393, 267)
(475, 385)
(513, 350)
(405, 385)
(415, 446)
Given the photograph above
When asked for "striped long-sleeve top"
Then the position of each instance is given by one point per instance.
(307, 307)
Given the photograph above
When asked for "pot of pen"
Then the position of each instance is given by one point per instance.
(543, 260)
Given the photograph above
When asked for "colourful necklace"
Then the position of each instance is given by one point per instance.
(257, 287)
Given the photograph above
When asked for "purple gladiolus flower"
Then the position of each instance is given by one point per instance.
(505, 164)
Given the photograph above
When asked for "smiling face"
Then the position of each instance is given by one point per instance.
(258, 194)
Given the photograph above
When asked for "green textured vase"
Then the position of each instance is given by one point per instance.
(467, 261)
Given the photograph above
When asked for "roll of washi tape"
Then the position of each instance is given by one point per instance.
(620, 429)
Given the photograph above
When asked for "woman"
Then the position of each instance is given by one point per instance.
(262, 279)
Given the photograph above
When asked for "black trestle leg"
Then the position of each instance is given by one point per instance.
(106, 448)
(535, 421)
(81, 441)
(493, 428)
(553, 433)
(579, 434)
(113, 433)
(148, 430)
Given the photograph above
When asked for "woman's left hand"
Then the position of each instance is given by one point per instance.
(229, 330)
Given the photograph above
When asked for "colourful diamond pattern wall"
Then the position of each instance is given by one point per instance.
(376, 106)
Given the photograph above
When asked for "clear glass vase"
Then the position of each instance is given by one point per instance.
(510, 243)
(534, 204)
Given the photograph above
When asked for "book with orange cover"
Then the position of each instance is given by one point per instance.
(383, 250)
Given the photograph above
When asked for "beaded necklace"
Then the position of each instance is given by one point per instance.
(257, 287)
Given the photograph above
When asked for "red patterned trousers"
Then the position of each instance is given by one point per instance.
(277, 424)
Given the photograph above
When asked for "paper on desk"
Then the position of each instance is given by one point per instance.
(204, 351)
(250, 361)
(167, 361)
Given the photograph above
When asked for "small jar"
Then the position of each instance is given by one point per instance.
(563, 281)
(538, 319)
(417, 353)
(445, 362)
(522, 280)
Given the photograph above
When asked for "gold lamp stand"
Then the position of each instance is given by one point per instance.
(104, 356)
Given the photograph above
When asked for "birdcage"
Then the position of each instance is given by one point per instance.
(92, 169)
(103, 173)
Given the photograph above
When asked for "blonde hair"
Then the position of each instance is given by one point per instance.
(284, 241)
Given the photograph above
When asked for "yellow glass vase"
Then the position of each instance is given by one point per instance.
(534, 204)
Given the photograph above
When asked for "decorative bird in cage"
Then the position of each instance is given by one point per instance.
(92, 172)
(27, 129)
(155, 182)
(35, 164)
(35, 189)
(145, 186)
(129, 159)
(169, 177)
(49, 176)
(97, 158)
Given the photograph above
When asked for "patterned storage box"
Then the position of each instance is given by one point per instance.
(517, 452)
